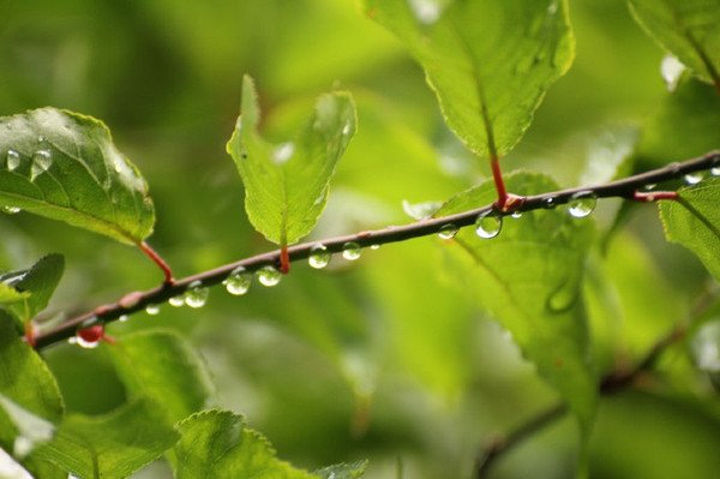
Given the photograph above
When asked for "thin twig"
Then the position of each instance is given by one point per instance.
(137, 301)
(611, 383)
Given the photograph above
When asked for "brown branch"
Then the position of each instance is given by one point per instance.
(137, 301)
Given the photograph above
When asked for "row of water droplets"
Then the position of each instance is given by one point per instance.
(696, 177)
(488, 225)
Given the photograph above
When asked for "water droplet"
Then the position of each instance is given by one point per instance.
(448, 231)
(650, 187)
(177, 301)
(41, 162)
(351, 251)
(319, 256)
(715, 171)
(13, 160)
(582, 204)
(238, 282)
(705, 346)
(283, 152)
(516, 214)
(671, 69)
(488, 225)
(123, 318)
(152, 309)
(268, 276)
(90, 337)
(426, 11)
(11, 210)
(346, 129)
(549, 203)
(694, 178)
(375, 247)
(196, 296)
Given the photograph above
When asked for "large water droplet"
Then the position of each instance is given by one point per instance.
(268, 276)
(582, 204)
(10, 210)
(152, 309)
(351, 251)
(13, 160)
(41, 162)
(488, 225)
(319, 256)
(694, 178)
(238, 282)
(196, 296)
(283, 152)
(177, 301)
(448, 231)
(715, 171)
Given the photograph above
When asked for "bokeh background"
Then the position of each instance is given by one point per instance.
(387, 358)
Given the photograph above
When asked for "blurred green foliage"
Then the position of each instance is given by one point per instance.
(391, 356)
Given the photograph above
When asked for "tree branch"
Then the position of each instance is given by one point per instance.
(137, 301)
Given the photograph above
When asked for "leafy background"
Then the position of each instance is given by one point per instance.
(390, 357)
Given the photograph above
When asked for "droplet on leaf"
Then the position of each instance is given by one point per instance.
(13, 160)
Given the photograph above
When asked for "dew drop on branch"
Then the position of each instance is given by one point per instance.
(319, 256)
(196, 296)
(516, 214)
(268, 276)
(582, 204)
(715, 171)
(488, 226)
(549, 203)
(448, 231)
(177, 301)
(694, 178)
(90, 337)
(351, 251)
(238, 283)
(152, 309)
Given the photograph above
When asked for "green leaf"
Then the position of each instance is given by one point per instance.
(161, 365)
(286, 185)
(37, 283)
(686, 125)
(26, 384)
(350, 470)
(529, 278)
(10, 295)
(694, 222)
(688, 28)
(110, 446)
(218, 444)
(489, 63)
(64, 166)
